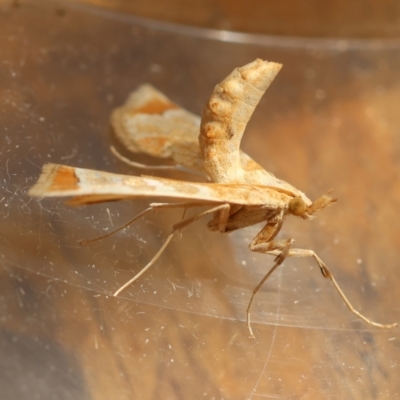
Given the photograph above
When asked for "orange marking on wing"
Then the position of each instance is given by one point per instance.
(155, 143)
(65, 179)
(154, 107)
(251, 165)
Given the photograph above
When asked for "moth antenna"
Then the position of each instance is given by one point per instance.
(146, 211)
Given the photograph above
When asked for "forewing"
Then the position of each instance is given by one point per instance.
(150, 123)
(224, 120)
(87, 186)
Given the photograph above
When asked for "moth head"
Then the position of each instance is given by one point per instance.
(297, 206)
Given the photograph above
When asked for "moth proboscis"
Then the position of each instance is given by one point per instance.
(239, 192)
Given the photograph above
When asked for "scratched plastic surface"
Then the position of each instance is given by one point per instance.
(330, 120)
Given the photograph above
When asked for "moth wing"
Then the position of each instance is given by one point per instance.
(224, 120)
(87, 186)
(152, 124)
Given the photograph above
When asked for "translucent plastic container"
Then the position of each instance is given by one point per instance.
(330, 120)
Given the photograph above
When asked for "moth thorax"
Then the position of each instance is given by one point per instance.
(297, 206)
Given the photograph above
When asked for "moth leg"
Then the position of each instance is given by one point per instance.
(136, 217)
(190, 204)
(176, 227)
(184, 205)
(153, 206)
(264, 240)
(224, 208)
(220, 219)
(328, 274)
(281, 251)
(134, 164)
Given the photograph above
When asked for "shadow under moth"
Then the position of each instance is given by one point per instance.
(238, 192)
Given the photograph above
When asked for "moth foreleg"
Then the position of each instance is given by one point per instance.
(282, 247)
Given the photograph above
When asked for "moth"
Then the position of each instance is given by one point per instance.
(238, 192)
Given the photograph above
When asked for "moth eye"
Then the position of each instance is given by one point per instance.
(297, 206)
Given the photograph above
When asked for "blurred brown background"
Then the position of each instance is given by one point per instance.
(315, 18)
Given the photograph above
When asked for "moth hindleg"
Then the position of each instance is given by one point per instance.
(131, 221)
(153, 206)
(328, 274)
(176, 227)
(281, 251)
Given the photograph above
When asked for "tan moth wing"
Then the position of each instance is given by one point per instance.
(224, 121)
(152, 124)
(87, 186)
